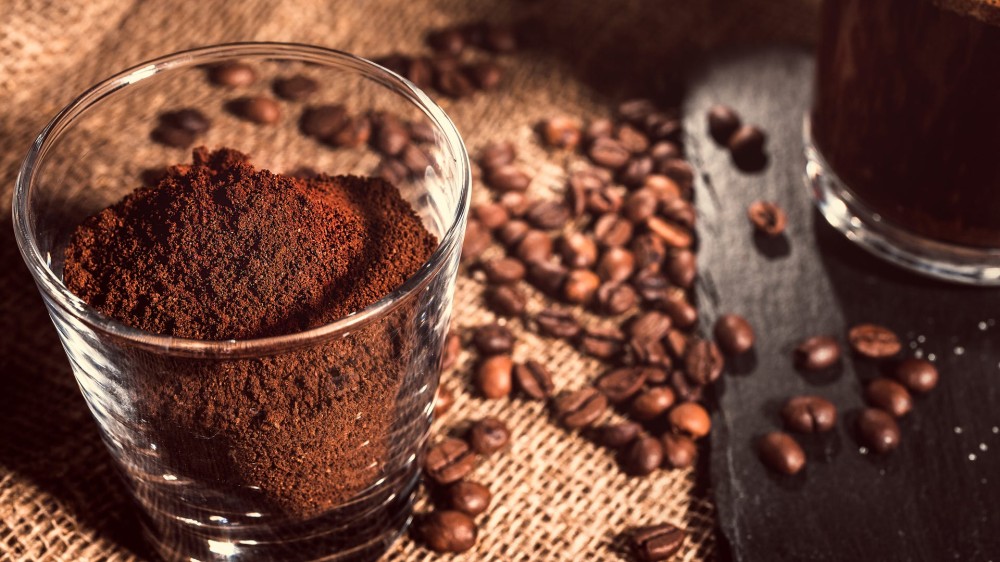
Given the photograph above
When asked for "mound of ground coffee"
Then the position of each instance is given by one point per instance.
(220, 250)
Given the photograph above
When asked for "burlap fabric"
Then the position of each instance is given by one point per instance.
(557, 496)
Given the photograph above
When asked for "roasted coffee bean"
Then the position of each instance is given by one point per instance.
(682, 268)
(618, 435)
(747, 141)
(548, 277)
(232, 74)
(678, 211)
(504, 270)
(172, 136)
(682, 313)
(535, 246)
(643, 456)
(506, 300)
(499, 39)
(874, 341)
(734, 334)
(577, 249)
(449, 461)
(420, 71)
(918, 375)
(656, 375)
(488, 436)
(494, 376)
(652, 287)
(636, 171)
(691, 419)
(635, 110)
(632, 139)
(780, 452)
(548, 215)
(674, 235)
(615, 265)
(493, 339)
(452, 347)
(515, 203)
(508, 177)
(395, 62)
(649, 252)
(611, 229)
(450, 41)
(295, 88)
(677, 343)
(889, 396)
(663, 187)
(683, 389)
(621, 384)
(486, 75)
(560, 132)
(598, 128)
(534, 379)
(640, 205)
(650, 325)
(817, 353)
(391, 170)
(391, 136)
(580, 408)
(660, 126)
(603, 343)
(878, 430)
(477, 239)
(678, 451)
(190, 120)
(323, 121)
(447, 531)
(443, 401)
(652, 403)
(664, 150)
(454, 84)
(421, 131)
(809, 414)
(603, 201)
(647, 352)
(257, 109)
(581, 286)
(557, 324)
(767, 218)
(575, 198)
(722, 123)
(471, 498)
(615, 298)
(497, 154)
(512, 233)
(680, 171)
(356, 132)
(656, 542)
(491, 215)
(417, 160)
(609, 153)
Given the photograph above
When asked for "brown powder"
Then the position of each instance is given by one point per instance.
(220, 250)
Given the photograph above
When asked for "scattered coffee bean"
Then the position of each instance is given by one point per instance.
(598, 128)
(172, 136)
(652, 403)
(734, 334)
(663, 151)
(392, 170)
(657, 375)
(499, 39)
(652, 287)
(508, 177)
(258, 109)
(232, 74)
(295, 88)
(488, 436)
(781, 453)
(452, 347)
(611, 229)
(640, 205)
(635, 110)
(682, 268)
(497, 154)
(493, 339)
(557, 324)
(878, 430)
(675, 236)
(580, 286)
(649, 326)
(449, 461)
(647, 352)
(656, 542)
(477, 239)
(494, 376)
(417, 160)
(664, 187)
(685, 391)
(560, 132)
(450, 41)
(511, 233)
(492, 215)
(444, 399)
(618, 435)
(471, 498)
(918, 375)
(723, 121)
(817, 353)
(534, 379)
(548, 277)
(615, 265)
(577, 249)
(454, 84)
(677, 343)
(515, 203)
(809, 414)
(691, 419)
(391, 136)
(506, 300)
(636, 171)
(548, 215)
(679, 211)
(649, 252)
(615, 298)
(643, 456)
(609, 153)
(703, 361)
(486, 75)
(323, 121)
(889, 396)
(190, 120)
(580, 408)
(603, 201)
(447, 531)
(680, 171)
(874, 341)
(603, 343)
(747, 141)
(661, 127)
(504, 270)
(679, 452)
(534, 246)
(356, 132)
(621, 384)
(421, 131)
(767, 218)
(632, 139)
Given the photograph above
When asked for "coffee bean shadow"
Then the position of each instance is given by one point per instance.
(770, 409)
(821, 447)
(772, 247)
(751, 163)
(822, 377)
(743, 364)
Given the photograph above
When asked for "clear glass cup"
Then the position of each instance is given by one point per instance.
(340, 458)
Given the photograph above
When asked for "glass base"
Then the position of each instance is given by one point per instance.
(951, 262)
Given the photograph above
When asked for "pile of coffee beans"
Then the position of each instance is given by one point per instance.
(745, 142)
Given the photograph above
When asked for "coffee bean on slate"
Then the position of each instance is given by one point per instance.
(493, 339)
(889, 396)
(656, 542)
(609, 153)
(691, 419)
(172, 136)
(421, 131)
(650, 325)
(477, 239)
(683, 388)
(454, 84)
(809, 414)
(535, 245)
(452, 347)
(471, 498)
(577, 249)
(640, 205)
(322, 121)
(356, 132)
(557, 324)
(560, 132)
(515, 203)
(512, 233)
(504, 270)
(449, 461)
(632, 139)
(534, 379)
(734, 334)
(635, 110)
(615, 265)
(682, 313)
(767, 218)
(188, 119)
(680, 171)
(612, 229)
(918, 375)
(679, 452)
(232, 74)
(508, 177)
(499, 39)
(391, 136)
(417, 160)
(497, 154)
(647, 352)
(295, 88)
(580, 408)
(603, 343)
(722, 123)
(780, 452)
(494, 376)
(674, 235)
(258, 109)
(747, 141)
(488, 436)
(618, 435)
(874, 341)
(682, 268)
(443, 401)
(817, 353)
(621, 384)
(447, 531)
(449, 41)
(580, 286)
(548, 215)
(664, 150)
(878, 430)
(652, 403)
(603, 201)
(615, 298)
(598, 128)
(643, 456)
(492, 215)
(548, 277)
(506, 300)
(486, 75)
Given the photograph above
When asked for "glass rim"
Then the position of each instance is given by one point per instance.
(57, 292)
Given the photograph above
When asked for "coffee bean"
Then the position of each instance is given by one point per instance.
(647, 352)
(652, 403)
(232, 74)
(477, 239)
(534, 379)
(580, 286)
(450, 41)
(611, 230)
(598, 128)
(548, 215)
(486, 75)
(603, 201)
(603, 343)
(878, 430)
(258, 109)
(656, 542)
(491, 215)
(680, 171)
(615, 265)
(172, 136)
(652, 287)
(643, 456)
(506, 300)
(577, 249)
(679, 452)
(660, 126)
(575, 196)
(615, 298)
(918, 375)
(609, 153)
(678, 211)
(493, 339)
(722, 123)
(548, 277)
(494, 376)
(447, 531)
(636, 171)
(734, 334)
(889, 396)
(621, 384)
(640, 205)
(452, 347)
(649, 252)
(817, 353)
(421, 131)
(656, 375)
(677, 343)
(809, 414)
(684, 390)
(513, 232)
(420, 71)
(497, 154)
(650, 326)
(504, 270)
(444, 399)
(691, 419)
(560, 132)
(454, 84)
(508, 177)
(557, 324)
(391, 170)
(535, 246)
(471, 498)
(664, 150)
(874, 341)
(499, 39)
(632, 139)
(356, 132)
(781, 453)
(323, 121)
(747, 141)
(767, 218)
(417, 160)
(682, 313)
(395, 62)
(295, 88)
(391, 136)
(515, 203)
(488, 436)
(449, 461)
(579, 408)
(635, 110)
(682, 268)
(190, 120)
(674, 235)
(618, 435)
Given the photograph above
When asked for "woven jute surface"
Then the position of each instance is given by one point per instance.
(557, 496)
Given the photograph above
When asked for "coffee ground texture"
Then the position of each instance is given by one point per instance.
(220, 250)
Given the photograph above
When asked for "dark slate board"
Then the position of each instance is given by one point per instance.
(938, 496)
